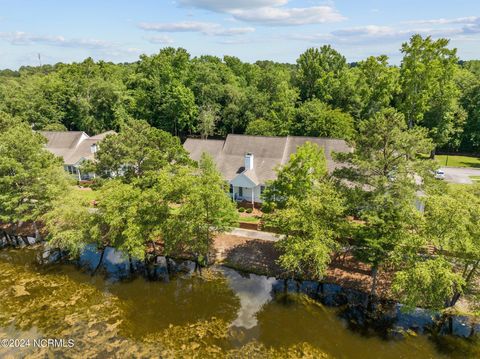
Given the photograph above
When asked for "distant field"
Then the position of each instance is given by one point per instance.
(458, 161)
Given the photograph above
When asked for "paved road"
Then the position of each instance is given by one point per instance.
(460, 175)
(248, 233)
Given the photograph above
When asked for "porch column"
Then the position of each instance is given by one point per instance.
(79, 174)
(253, 197)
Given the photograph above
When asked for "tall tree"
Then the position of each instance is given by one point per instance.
(297, 178)
(205, 210)
(311, 227)
(31, 178)
(377, 83)
(429, 95)
(388, 171)
(323, 74)
(315, 118)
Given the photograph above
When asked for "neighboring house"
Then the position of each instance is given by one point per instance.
(74, 147)
(248, 162)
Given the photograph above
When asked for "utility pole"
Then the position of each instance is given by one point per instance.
(40, 59)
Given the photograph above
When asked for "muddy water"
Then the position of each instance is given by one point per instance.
(222, 314)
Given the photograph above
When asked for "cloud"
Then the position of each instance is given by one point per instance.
(269, 12)
(226, 5)
(458, 20)
(206, 28)
(273, 16)
(23, 38)
(160, 39)
(374, 34)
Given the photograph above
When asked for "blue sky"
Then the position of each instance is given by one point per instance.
(253, 30)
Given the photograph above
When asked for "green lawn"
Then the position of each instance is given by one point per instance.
(475, 178)
(458, 161)
(86, 194)
(248, 219)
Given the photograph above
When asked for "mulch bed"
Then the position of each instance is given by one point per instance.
(259, 256)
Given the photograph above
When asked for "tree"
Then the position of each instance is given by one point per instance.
(429, 94)
(323, 74)
(452, 219)
(207, 120)
(311, 227)
(297, 178)
(131, 216)
(68, 223)
(377, 84)
(205, 210)
(260, 127)
(315, 118)
(31, 178)
(388, 171)
(136, 150)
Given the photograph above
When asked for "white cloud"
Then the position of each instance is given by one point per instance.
(206, 28)
(274, 16)
(374, 34)
(160, 39)
(23, 38)
(226, 5)
(269, 12)
(458, 20)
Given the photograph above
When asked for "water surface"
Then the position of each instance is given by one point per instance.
(223, 313)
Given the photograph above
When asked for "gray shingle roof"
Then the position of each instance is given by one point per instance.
(72, 146)
(268, 152)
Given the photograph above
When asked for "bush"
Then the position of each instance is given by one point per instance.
(241, 209)
(249, 210)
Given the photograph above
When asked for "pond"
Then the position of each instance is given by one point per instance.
(223, 313)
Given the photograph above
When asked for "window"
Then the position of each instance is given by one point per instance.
(240, 191)
(262, 188)
(231, 189)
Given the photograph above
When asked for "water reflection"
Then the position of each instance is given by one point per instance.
(253, 291)
(220, 312)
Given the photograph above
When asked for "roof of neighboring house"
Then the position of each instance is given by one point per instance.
(72, 146)
(268, 152)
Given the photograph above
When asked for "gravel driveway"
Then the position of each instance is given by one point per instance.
(460, 175)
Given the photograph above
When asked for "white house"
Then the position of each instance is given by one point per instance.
(74, 147)
(248, 162)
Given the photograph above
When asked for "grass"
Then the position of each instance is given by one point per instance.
(475, 178)
(248, 219)
(87, 195)
(458, 161)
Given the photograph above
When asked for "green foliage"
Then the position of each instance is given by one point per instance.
(205, 210)
(68, 223)
(323, 74)
(385, 173)
(315, 118)
(249, 210)
(297, 178)
(209, 96)
(260, 128)
(137, 150)
(427, 284)
(241, 209)
(31, 178)
(311, 226)
(377, 84)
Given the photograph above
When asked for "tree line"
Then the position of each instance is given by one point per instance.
(152, 200)
(320, 95)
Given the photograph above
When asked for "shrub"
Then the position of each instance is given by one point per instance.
(241, 209)
(249, 210)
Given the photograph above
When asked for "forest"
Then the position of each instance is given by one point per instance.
(321, 95)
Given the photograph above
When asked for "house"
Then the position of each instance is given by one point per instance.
(74, 147)
(248, 162)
